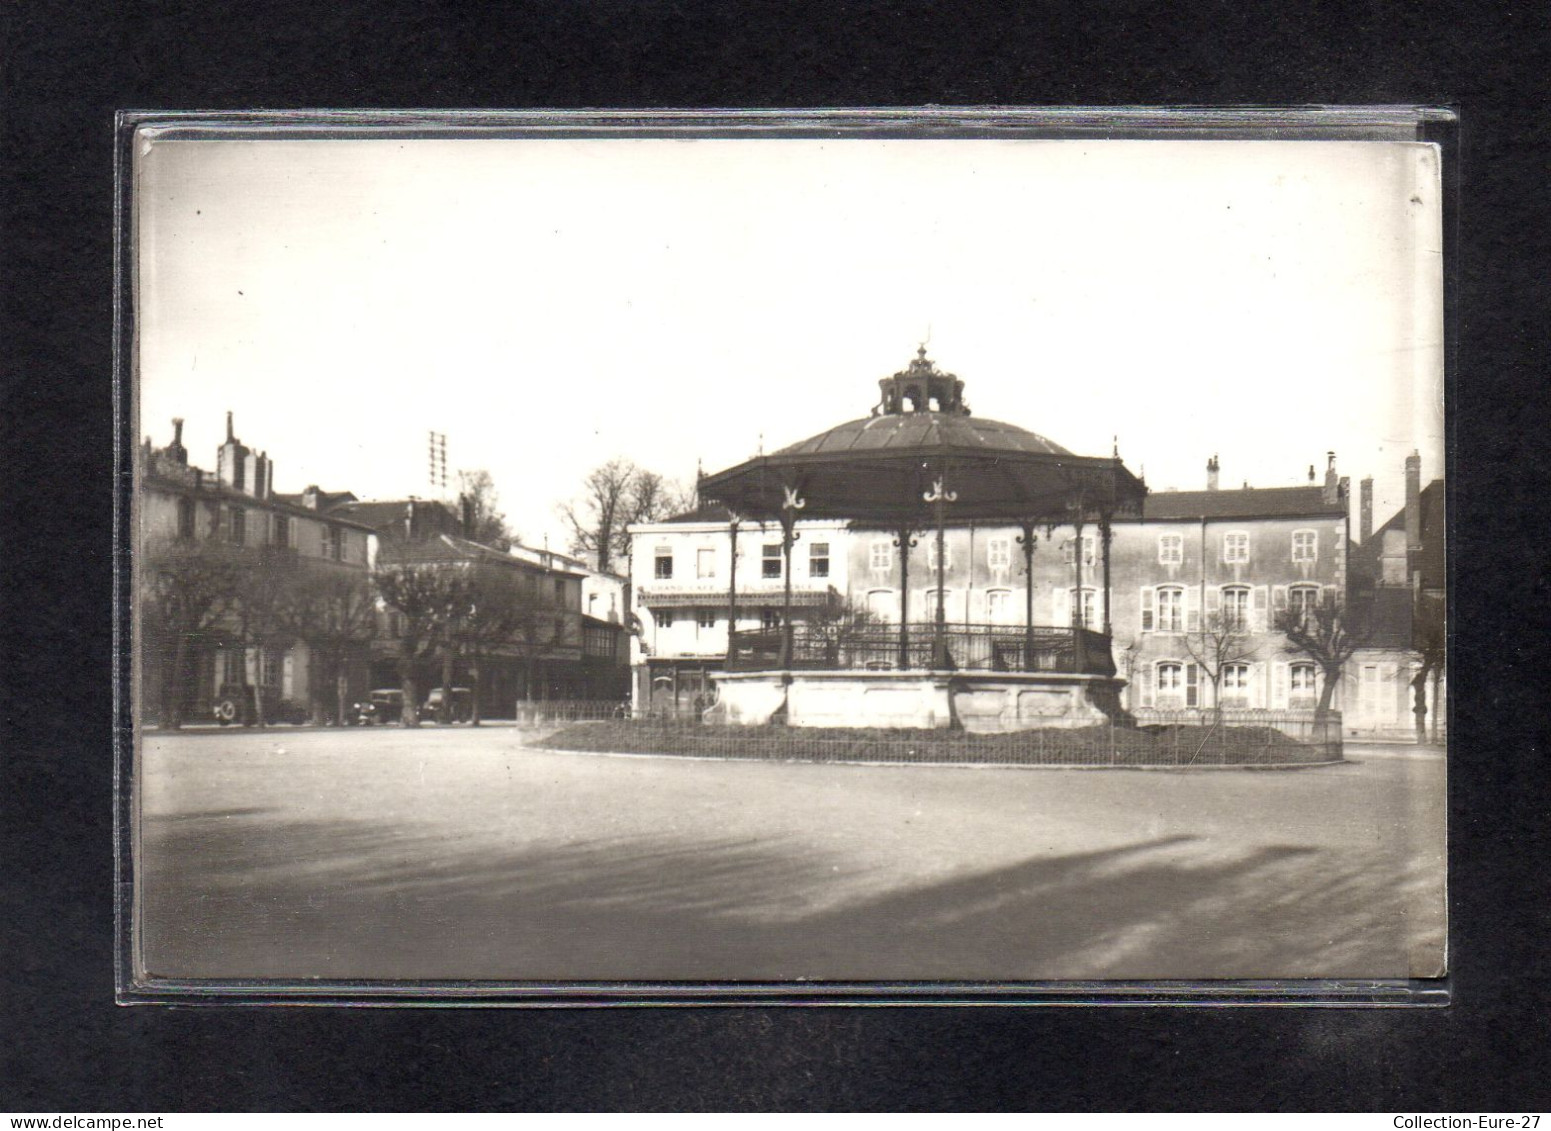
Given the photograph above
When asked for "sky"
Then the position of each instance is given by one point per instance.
(552, 304)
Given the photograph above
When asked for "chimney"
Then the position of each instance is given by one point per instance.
(1332, 491)
(176, 448)
(409, 521)
(230, 435)
(310, 497)
(1413, 502)
(1211, 473)
(1311, 473)
(1365, 514)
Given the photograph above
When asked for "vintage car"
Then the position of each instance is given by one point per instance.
(462, 705)
(381, 707)
(235, 704)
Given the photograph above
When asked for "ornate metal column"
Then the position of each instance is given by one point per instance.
(1106, 535)
(905, 540)
(734, 518)
(1079, 643)
(1026, 540)
(940, 498)
(789, 535)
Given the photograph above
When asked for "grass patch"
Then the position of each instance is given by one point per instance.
(1085, 746)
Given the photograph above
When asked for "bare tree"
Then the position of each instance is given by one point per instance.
(1429, 637)
(615, 495)
(336, 614)
(483, 521)
(1222, 640)
(187, 589)
(499, 608)
(424, 596)
(1328, 633)
(263, 608)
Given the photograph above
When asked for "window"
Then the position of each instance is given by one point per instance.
(818, 559)
(1235, 685)
(999, 553)
(770, 619)
(233, 666)
(1235, 547)
(1302, 600)
(185, 518)
(1069, 546)
(705, 562)
(881, 605)
(1089, 607)
(770, 561)
(705, 619)
(271, 664)
(1301, 685)
(664, 618)
(282, 530)
(1235, 608)
(931, 554)
(1171, 609)
(1179, 685)
(560, 590)
(662, 563)
(880, 555)
(1171, 549)
(999, 606)
(334, 543)
(238, 530)
(560, 634)
(1305, 546)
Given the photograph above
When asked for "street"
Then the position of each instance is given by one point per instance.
(456, 853)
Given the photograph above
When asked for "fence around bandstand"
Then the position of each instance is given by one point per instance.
(969, 647)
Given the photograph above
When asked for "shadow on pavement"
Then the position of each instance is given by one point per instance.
(240, 894)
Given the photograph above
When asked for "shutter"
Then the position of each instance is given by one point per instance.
(1149, 595)
(1192, 686)
(1060, 607)
(1279, 598)
(1145, 679)
(1192, 609)
(1330, 595)
(1281, 683)
(1213, 600)
(1257, 620)
(1259, 694)
(288, 675)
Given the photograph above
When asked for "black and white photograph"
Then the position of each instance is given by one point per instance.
(620, 556)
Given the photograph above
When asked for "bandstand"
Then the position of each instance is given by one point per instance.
(919, 465)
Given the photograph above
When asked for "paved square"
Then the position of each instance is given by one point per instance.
(465, 854)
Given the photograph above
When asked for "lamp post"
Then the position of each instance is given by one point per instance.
(734, 518)
(940, 498)
(789, 508)
(905, 541)
(1026, 540)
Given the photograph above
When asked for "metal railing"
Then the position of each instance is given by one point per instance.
(968, 647)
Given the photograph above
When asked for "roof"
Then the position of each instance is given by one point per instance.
(327, 500)
(212, 488)
(1245, 502)
(1431, 561)
(448, 549)
(378, 513)
(935, 430)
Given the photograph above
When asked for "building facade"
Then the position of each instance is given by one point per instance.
(197, 527)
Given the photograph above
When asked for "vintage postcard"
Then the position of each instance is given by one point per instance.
(637, 552)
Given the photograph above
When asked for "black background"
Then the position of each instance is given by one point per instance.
(68, 67)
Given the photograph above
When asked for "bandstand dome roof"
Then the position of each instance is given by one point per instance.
(876, 469)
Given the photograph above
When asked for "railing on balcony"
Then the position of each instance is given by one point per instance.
(968, 647)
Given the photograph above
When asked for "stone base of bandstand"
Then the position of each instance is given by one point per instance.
(978, 702)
